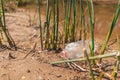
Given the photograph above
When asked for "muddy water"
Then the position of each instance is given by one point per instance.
(103, 18)
(104, 15)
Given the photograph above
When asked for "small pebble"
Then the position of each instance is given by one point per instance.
(59, 75)
(40, 78)
(23, 78)
(28, 71)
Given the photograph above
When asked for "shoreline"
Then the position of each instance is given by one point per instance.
(104, 1)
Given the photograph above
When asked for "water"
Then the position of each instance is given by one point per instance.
(103, 18)
(104, 15)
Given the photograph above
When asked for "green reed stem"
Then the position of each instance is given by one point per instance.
(93, 13)
(47, 11)
(47, 25)
(65, 20)
(82, 22)
(74, 21)
(3, 13)
(115, 72)
(111, 29)
(53, 43)
(69, 18)
(81, 18)
(90, 66)
(91, 16)
(39, 13)
(84, 59)
(9, 38)
(48, 29)
(57, 21)
(67, 15)
(55, 24)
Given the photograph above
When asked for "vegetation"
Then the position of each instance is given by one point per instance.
(4, 29)
(74, 29)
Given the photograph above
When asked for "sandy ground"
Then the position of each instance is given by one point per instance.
(36, 66)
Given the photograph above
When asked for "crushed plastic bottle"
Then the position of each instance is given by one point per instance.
(74, 50)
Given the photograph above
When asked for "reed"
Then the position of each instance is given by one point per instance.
(57, 21)
(53, 35)
(52, 32)
(74, 21)
(84, 59)
(111, 28)
(92, 20)
(67, 15)
(46, 26)
(90, 66)
(53, 29)
(6, 32)
(40, 26)
(22, 2)
(82, 22)
(115, 72)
